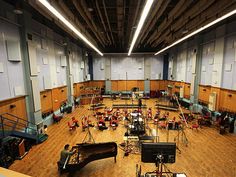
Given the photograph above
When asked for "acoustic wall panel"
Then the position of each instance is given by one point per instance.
(36, 93)
(88, 77)
(63, 61)
(181, 92)
(38, 69)
(32, 59)
(82, 65)
(47, 82)
(235, 54)
(212, 101)
(18, 90)
(44, 44)
(13, 50)
(45, 60)
(228, 67)
(102, 66)
(107, 68)
(1, 67)
(192, 84)
(194, 59)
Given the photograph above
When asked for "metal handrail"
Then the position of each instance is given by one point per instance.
(18, 118)
(16, 124)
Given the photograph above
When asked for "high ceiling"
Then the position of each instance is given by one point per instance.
(110, 24)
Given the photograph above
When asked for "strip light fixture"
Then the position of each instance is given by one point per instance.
(199, 30)
(145, 12)
(68, 24)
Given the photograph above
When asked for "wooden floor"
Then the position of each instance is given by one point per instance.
(208, 154)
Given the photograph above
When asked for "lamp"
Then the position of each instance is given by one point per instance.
(18, 10)
(198, 30)
(46, 4)
(145, 12)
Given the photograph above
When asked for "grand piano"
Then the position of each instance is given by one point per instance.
(86, 153)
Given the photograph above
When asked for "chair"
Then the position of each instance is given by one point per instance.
(196, 126)
(162, 124)
(57, 118)
(71, 126)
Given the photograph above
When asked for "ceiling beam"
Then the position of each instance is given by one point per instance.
(83, 12)
(102, 20)
(120, 19)
(203, 17)
(108, 22)
(68, 14)
(158, 15)
(132, 20)
(151, 20)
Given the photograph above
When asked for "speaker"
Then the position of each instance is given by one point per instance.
(82, 65)
(102, 66)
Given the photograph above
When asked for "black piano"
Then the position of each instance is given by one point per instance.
(86, 153)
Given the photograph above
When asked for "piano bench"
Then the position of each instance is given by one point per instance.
(59, 166)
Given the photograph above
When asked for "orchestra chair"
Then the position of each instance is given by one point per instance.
(75, 122)
(114, 124)
(57, 118)
(71, 126)
(162, 124)
(155, 121)
(196, 126)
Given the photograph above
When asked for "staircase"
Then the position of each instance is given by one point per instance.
(11, 125)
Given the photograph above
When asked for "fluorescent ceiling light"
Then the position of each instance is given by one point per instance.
(198, 30)
(68, 24)
(145, 12)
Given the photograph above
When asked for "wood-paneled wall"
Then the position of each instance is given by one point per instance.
(59, 96)
(46, 101)
(203, 93)
(225, 100)
(187, 90)
(15, 106)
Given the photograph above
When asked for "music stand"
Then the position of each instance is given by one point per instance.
(89, 135)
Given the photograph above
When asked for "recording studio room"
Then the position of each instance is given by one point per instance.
(116, 88)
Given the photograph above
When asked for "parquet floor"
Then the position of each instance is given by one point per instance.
(208, 154)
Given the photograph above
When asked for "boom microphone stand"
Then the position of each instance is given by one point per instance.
(184, 137)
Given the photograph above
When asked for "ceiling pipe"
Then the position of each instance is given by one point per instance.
(151, 20)
(91, 19)
(108, 22)
(174, 14)
(100, 16)
(131, 31)
(120, 18)
(196, 21)
(160, 13)
(71, 17)
(177, 13)
(88, 21)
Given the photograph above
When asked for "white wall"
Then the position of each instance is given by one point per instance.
(207, 63)
(133, 66)
(76, 59)
(51, 58)
(218, 66)
(11, 72)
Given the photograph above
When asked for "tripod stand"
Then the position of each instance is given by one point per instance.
(89, 136)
